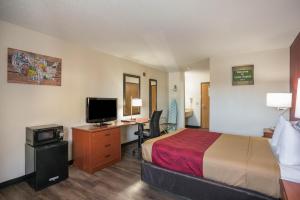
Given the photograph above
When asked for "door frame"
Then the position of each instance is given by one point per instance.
(201, 102)
(150, 95)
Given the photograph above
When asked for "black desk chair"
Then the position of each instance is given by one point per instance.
(154, 131)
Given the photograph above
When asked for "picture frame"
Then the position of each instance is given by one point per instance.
(243, 75)
(31, 68)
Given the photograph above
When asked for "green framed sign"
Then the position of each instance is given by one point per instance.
(243, 75)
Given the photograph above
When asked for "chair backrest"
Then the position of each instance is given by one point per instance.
(154, 124)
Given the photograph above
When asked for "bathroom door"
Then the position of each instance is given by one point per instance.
(205, 105)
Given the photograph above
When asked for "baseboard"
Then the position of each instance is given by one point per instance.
(190, 126)
(20, 179)
(12, 181)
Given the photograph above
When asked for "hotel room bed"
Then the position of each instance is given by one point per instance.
(206, 165)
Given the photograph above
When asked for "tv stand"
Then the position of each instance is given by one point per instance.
(95, 148)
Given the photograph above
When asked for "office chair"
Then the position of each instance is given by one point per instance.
(154, 131)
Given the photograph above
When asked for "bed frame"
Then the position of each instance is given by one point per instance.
(194, 187)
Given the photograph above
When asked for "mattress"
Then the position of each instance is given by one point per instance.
(241, 161)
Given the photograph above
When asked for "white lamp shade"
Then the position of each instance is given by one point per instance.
(279, 100)
(297, 108)
(136, 102)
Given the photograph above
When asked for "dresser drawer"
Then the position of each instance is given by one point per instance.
(101, 159)
(106, 147)
(105, 139)
(111, 136)
(105, 155)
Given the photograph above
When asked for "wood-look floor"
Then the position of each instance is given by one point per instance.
(120, 181)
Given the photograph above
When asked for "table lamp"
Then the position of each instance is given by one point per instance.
(281, 101)
(135, 102)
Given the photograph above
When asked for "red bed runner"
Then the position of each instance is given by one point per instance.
(184, 151)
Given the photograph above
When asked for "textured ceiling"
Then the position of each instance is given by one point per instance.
(165, 34)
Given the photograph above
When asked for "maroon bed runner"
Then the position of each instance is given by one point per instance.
(184, 151)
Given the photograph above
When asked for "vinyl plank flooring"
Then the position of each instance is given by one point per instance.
(121, 181)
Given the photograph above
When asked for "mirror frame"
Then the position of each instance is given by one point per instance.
(124, 91)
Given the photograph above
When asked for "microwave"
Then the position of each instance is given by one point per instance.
(45, 134)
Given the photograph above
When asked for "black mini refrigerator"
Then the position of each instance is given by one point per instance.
(47, 164)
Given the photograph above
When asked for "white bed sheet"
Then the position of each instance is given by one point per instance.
(288, 172)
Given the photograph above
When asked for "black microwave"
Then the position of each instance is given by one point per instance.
(40, 135)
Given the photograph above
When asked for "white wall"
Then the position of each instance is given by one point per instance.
(197, 74)
(85, 72)
(242, 109)
(177, 78)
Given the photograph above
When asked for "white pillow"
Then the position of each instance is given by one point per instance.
(289, 145)
(277, 132)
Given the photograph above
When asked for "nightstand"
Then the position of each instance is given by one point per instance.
(289, 190)
(268, 132)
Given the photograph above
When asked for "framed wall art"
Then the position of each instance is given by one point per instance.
(31, 68)
(243, 75)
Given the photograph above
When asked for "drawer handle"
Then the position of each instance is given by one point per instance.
(108, 145)
(107, 156)
(107, 134)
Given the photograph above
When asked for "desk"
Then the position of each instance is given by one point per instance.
(114, 124)
(97, 147)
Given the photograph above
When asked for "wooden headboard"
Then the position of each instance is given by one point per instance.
(294, 72)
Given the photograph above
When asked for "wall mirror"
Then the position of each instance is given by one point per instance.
(131, 90)
(152, 96)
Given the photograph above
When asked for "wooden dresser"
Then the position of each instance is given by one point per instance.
(95, 148)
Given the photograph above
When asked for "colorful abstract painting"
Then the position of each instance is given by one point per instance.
(31, 68)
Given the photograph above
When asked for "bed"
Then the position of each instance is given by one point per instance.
(207, 165)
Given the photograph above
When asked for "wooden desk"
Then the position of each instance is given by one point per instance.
(289, 190)
(95, 147)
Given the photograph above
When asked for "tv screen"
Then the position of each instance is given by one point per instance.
(100, 110)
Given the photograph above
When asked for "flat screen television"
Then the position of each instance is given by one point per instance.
(100, 110)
